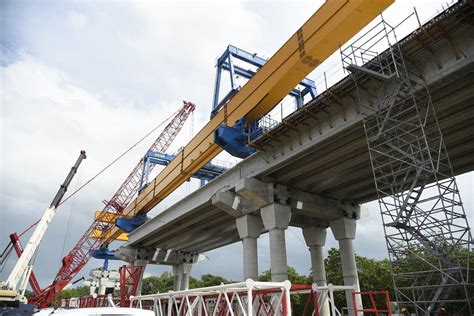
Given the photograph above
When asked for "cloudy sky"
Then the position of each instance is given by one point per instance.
(97, 75)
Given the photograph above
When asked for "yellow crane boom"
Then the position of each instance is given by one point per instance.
(334, 23)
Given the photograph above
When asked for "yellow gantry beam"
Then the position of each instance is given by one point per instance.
(334, 23)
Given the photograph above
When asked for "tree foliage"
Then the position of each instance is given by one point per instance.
(71, 292)
(164, 282)
(297, 301)
(373, 275)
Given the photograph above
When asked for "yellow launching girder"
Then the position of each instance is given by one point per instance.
(334, 23)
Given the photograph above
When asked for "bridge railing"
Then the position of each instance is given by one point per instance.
(246, 298)
(90, 301)
(250, 298)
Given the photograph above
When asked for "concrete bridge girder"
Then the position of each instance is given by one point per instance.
(156, 255)
(252, 194)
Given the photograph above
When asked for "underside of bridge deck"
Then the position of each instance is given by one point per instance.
(321, 149)
(339, 167)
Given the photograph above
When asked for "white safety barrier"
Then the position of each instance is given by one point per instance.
(249, 298)
(327, 293)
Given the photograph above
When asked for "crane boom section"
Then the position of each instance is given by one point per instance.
(73, 262)
(21, 267)
(335, 22)
(130, 186)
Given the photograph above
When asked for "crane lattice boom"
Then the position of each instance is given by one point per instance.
(73, 262)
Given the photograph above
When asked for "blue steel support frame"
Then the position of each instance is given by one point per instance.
(206, 173)
(225, 62)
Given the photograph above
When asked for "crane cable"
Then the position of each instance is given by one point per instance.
(106, 167)
(5, 255)
(69, 222)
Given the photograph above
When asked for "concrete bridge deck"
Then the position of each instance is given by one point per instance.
(317, 161)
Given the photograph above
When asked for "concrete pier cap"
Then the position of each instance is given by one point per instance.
(249, 226)
(343, 228)
(315, 235)
(255, 191)
(276, 216)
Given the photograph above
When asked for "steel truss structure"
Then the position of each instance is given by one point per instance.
(243, 299)
(426, 230)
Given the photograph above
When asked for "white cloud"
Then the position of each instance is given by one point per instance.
(77, 20)
(45, 121)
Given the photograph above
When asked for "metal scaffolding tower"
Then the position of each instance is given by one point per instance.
(426, 229)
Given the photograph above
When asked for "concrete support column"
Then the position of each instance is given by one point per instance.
(249, 228)
(103, 283)
(315, 238)
(186, 273)
(177, 276)
(276, 218)
(181, 273)
(143, 264)
(344, 230)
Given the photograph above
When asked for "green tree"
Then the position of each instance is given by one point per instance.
(293, 277)
(71, 292)
(334, 275)
(297, 301)
(211, 280)
(155, 284)
(164, 282)
(373, 275)
(421, 260)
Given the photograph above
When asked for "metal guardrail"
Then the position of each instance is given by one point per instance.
(246, 298)
(249, 298)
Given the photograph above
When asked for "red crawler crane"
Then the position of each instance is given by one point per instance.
(73, 262)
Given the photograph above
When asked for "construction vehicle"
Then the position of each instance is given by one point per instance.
(12, 291)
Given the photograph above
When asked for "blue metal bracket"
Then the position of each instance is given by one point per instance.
(105, 254)
(208, 172)
(130, 224)
(234, 139)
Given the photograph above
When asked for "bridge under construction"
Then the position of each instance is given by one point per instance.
(396, 129)
(313, 170)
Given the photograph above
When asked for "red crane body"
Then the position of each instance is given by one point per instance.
(75, 260)
(15, 240)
